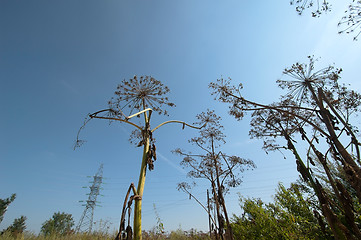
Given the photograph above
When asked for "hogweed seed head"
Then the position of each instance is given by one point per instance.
(139, 93)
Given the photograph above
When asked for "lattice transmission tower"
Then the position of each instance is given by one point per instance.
(86, 221)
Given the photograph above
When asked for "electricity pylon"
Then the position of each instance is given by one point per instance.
(86, 221)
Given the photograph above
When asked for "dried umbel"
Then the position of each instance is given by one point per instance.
(302, 5)
(212, 132)
(139, 93)
(352, 21)
(302, 76)
(223, 90)
(303, 79)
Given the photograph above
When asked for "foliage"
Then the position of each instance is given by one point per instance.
(291, 216)
(18, 226)
(179, 234)
(59, 223)
(4, 203)
(55, 236)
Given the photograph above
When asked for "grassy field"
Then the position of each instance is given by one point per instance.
(174, 235)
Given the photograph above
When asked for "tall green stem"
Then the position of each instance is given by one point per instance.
(140, 189)
(141, 181)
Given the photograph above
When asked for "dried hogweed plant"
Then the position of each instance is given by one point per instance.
(317, 109)
(221, 170)
(136, 97)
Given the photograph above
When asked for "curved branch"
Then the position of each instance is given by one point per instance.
(117, 119)
(122, 219)
(104, 110)
(277, 108)
(94, 115)
(79, 142)
(176, 121)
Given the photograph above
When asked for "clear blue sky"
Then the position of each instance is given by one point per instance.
(60, 60)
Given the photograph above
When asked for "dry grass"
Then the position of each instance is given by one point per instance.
(174, 235)
(31, 236)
